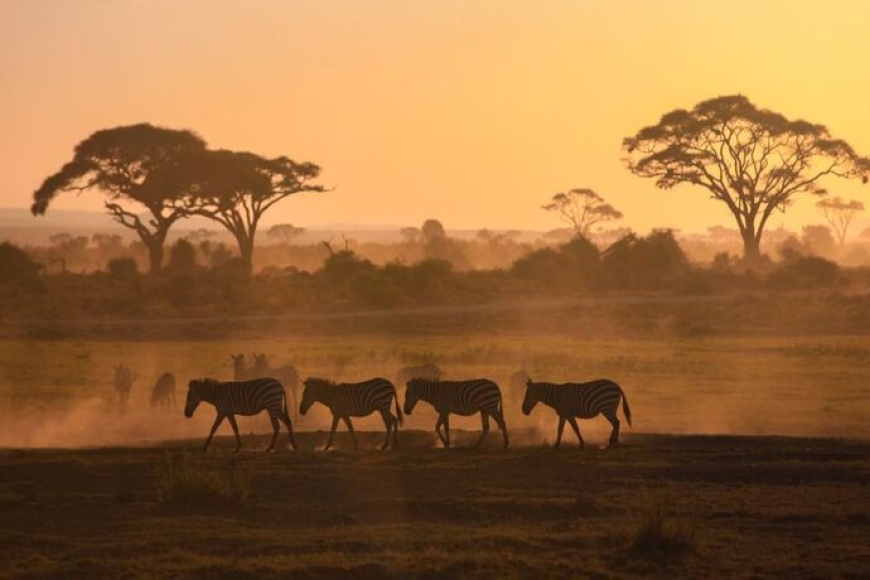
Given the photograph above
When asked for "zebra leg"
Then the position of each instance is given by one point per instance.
(275, 430)
(484, 418)
(438, 424)
(499, 419)
(614, 420)
(352, 434)
(232, 420)
(388, 423)
(559, 432)
(447, 430)
(217, 422)
(286, 420)
(395, 432)
(573, 421)
(331, 433)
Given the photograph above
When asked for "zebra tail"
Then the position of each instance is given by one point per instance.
(398, 408)
(626, 410)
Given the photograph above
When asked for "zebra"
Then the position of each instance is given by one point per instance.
(287, 375)
(427, 371)
(460, 397)
(584, 400)
(241, 398)
(164, 392)
(347, 400)
(124, 379)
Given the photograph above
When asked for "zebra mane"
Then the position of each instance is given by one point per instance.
(318, 382)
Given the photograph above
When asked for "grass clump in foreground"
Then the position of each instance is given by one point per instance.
(661, 536)
(185, 482)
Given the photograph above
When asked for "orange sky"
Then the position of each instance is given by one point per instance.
(471, 112)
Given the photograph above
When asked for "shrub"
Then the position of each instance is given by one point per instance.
(124, 268)
(185, 482)
(660, 535)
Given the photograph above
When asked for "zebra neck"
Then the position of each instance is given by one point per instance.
(208, 392)
(547, 394)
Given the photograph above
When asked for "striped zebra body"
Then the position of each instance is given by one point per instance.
(241, 398)
(287, 375)
(346, 400)
(461, 398)
(583, 400)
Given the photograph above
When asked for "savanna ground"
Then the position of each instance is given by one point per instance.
(704, 486)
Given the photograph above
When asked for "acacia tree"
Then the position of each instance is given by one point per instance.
(285, 232)
(235, 189)
(753, 160)
(582, 209)
(122, 163)
(840, 213)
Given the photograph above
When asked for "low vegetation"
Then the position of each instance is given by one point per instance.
(183, 482)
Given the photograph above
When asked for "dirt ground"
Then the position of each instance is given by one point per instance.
(719, 506)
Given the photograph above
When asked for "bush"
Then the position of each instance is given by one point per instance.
(805, 272)
(659, 535)
(188, 483)
(123, 268)
(17, 267)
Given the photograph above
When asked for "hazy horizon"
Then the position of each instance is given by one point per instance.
(473, 114)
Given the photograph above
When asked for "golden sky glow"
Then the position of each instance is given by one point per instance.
(471, 112)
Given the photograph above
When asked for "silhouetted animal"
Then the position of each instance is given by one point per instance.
(428, 371)
(347, 400)
(163, 394)
(241, 398)
(124, 379)
(584, 400)
(462, 398)
(287, 375)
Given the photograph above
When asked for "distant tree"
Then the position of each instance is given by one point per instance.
(559, 235)
(17, 267)
(124, 268)
(411, 235)
(122, 163)
(236, 189)
(201, 235)
(107, 242)
(753, 160)
(285, 232)
(840, 214)
(182, 256)
(582, 208)
(818, 240)
(432, 231)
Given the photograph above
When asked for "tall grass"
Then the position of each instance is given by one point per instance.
(660, 534)
(186, 482)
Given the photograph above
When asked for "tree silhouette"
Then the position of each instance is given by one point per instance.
(753, 160)
(285, 232)
(122, 162)
(235, 189)
(582, 209)
(840, 214)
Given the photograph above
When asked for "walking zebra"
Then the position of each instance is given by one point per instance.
(459, 397)
(427, 371)
(124, 378)
(241, 398)
(347, 400)
(584, 400)
(287, 375)
(164, 392)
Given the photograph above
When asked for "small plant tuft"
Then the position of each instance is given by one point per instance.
(186, 482)
(660, 535)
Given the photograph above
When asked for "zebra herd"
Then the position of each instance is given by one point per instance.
(346, 400)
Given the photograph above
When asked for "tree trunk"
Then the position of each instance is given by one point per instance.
(751, 248)
(155, 255)
(246, 251)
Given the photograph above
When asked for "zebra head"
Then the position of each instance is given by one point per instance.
(194, 396)
(312, 393)
(238, 365)
(531, 398)
(412, 393)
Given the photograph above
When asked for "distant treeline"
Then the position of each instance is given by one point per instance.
(206, 278)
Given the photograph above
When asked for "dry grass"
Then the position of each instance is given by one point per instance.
(185, 482)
